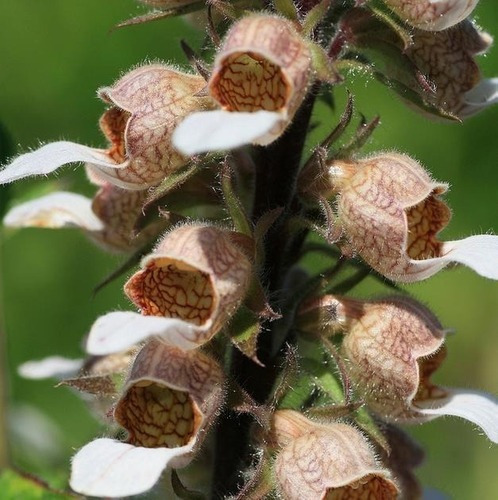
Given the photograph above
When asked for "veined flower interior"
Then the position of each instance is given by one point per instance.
(173, 289)
(425, 220)
(113, 124)
(427, 390)
(247, 81)
(157, 416)
(370, 486)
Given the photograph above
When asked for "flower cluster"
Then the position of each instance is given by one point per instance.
(219, 294)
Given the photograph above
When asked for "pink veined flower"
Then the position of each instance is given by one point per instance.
(187, 289)
(169, 401)
(260, 77)
(391, 213)
(317, 461)
(145, 106)
(432, 15)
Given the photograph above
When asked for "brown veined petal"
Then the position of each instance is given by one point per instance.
(170, 398)
(196, 274)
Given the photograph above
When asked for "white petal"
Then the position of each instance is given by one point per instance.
(480, 253)
(51, 367)
(50, 157)
(476, 407)
(219, 130)
(117, 331)
(55, 210)
(109, 468)
(481, 96)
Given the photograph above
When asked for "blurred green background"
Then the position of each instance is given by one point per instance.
(53, 56)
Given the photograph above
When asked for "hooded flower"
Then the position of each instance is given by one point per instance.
(432, 15)
(260, 77)
(392, 347)
(169, 400)
(447, 60)
(109, 219)
(145, 106)
(188, 288)
(391, 213)
(318, 461)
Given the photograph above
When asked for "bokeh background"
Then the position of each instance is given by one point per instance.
(53, 56)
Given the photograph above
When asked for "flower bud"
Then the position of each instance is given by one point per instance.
(318, 461)
(432, 15)
(146, 105)
(169, 400)
(109, 219)
(391, 212)
(188, 288)
(392, 347)
(260, 77)
(447, 60)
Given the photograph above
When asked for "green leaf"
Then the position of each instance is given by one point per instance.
(324, 378)
(170, 183)
(286, 8)
(314, 362)
(243, 331)
(315, 16)
(366, 422)
(302, 390)
(14, 485)
(325, 70)
(156, 15)
(130, 262)
(100, 385)
(234, 205)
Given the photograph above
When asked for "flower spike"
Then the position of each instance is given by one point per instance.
(188, 288)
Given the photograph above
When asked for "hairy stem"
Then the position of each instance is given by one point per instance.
(277, 169)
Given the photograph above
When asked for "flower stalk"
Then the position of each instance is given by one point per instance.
(304, 380)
